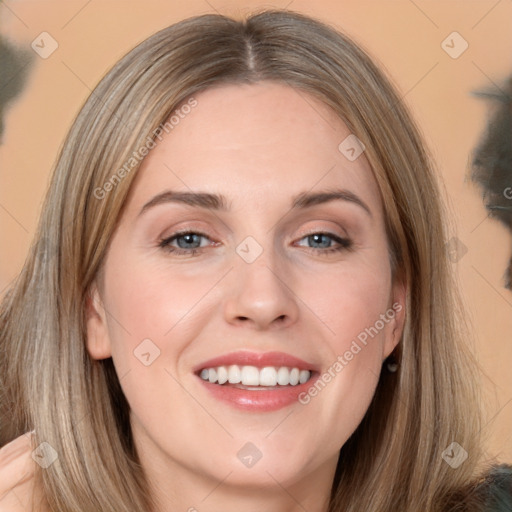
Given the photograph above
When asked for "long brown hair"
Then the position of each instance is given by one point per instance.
(394, 460)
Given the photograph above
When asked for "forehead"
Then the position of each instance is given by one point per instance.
(255, 142)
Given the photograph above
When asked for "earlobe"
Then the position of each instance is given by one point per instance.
(98, 341)
(397, 310)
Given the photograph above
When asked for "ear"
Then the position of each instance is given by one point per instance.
(396, 313)
(98, 341)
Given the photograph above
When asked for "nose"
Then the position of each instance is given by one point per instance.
(260, 294)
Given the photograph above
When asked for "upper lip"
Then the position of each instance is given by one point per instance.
(259, 359)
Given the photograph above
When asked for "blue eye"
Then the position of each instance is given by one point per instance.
(189, 243)
(323, 238)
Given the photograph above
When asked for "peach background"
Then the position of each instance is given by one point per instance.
(404, 35)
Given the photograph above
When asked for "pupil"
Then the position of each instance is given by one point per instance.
(188, 238)
(316, 238)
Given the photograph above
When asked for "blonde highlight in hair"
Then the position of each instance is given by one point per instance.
(49, 382)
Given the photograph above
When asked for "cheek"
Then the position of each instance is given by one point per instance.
(355, 310)
(349, 302)
(148, 314)
(146, 303)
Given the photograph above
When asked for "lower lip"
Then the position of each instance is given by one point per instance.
(258, 400)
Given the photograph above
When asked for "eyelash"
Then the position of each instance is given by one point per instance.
(344, 243)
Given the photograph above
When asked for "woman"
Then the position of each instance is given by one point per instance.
(302, 352)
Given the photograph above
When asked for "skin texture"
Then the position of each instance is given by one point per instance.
(260, 146)
(17, 475)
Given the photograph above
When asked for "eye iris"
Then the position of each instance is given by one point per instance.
(189, 239)
(316, 237)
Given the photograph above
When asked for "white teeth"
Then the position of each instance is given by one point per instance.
(268, 376)
(250, 376)
(303, 376)
(283, 376)
(253, 376)
(234, 374)
(222, 374)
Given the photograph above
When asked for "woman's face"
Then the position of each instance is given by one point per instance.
(269, 262)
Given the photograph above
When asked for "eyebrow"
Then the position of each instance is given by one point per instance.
(218, 201)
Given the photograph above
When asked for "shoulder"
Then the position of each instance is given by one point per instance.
(497, 489)
(16, 475)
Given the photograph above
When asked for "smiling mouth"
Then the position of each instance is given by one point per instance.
(253, 378)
